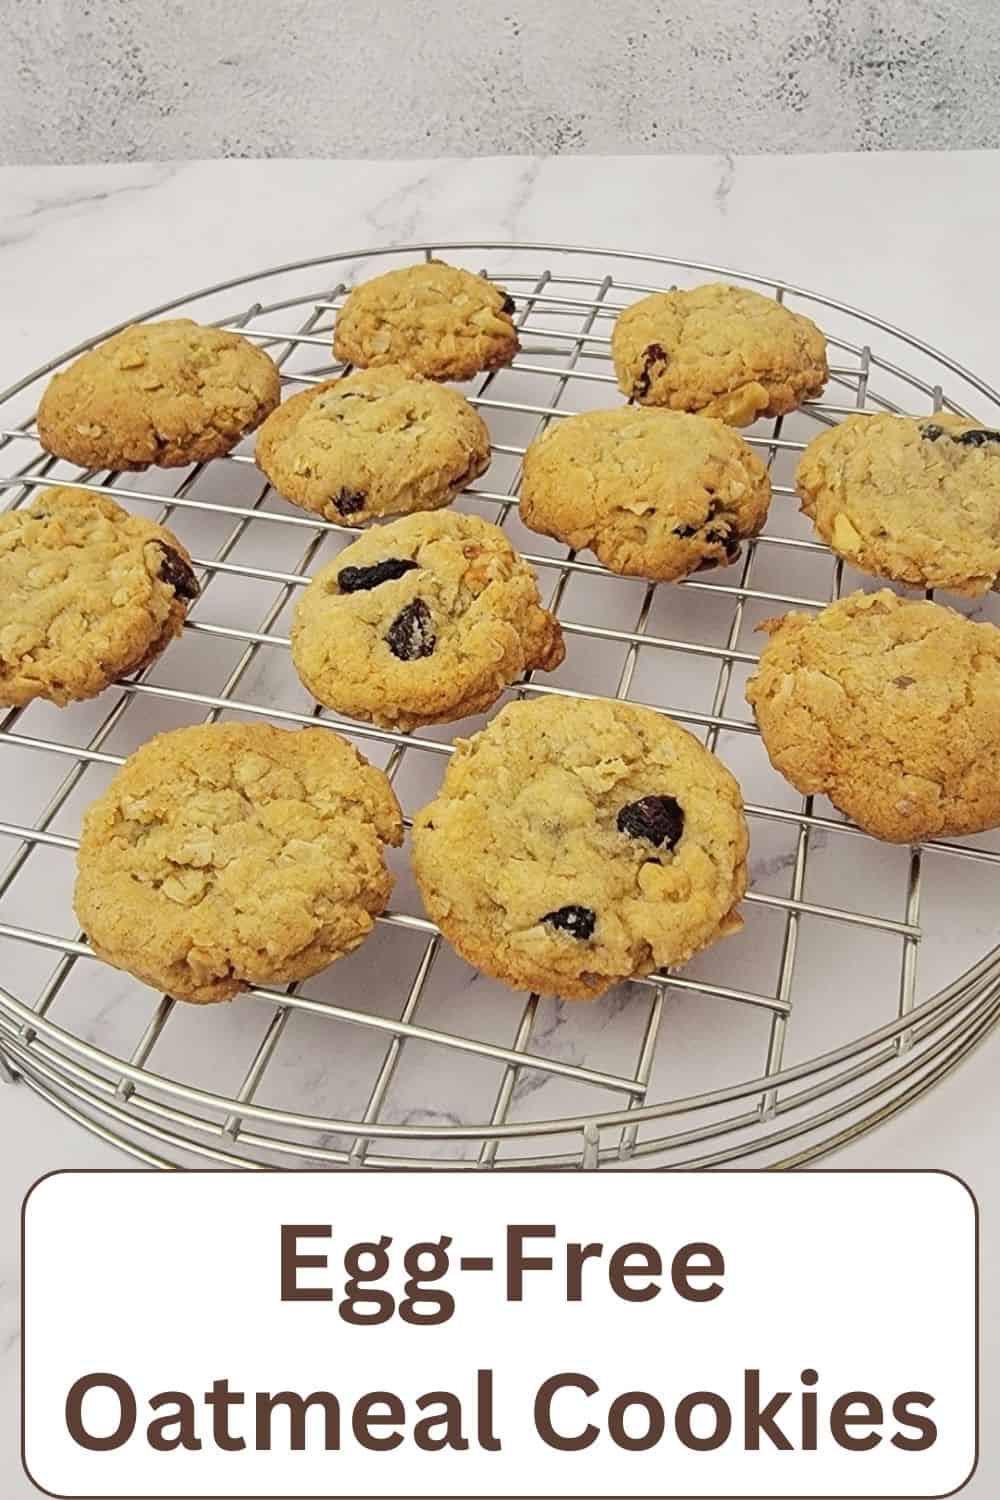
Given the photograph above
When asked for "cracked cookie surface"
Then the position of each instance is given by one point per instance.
(578, 842)
(228, 855)
(88, 594)
(891, 708)
(436, 319)
(655, 494)
(721, 350)
(915, 499)
(168, 394)
(423, 621)
(379, 442)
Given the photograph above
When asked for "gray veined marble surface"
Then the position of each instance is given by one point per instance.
(120, 80)
(80, 248)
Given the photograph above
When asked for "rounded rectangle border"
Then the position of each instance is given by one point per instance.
(534, 1172)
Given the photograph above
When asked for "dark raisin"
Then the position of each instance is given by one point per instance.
(658, 819)
(176, 572)
(714, 507)
(353, 580)
(411, 633)
(508, 305)
(578, 921)
(655, 355)
(349, 502)
(975, 437)
(723, 539)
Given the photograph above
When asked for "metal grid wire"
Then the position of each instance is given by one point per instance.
(552, 1089)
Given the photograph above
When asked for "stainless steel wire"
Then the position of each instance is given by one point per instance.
(675, 1103)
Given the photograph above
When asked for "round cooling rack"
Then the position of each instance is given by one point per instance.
(865, 972)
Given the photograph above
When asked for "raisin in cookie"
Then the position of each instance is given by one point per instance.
(421, 622)
(88, 594)
(376, 443)
(229, 855)
(916, 499)
(890, 707)
(434, 318)
(167, 393)
(721, 350)
(577, 842)
(652, 493)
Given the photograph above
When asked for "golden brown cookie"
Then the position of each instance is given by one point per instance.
(433, 318)
(916, 499)
(423, 621)
(889, 707)
(230, 855)
(376, 443)
(88, 594)
(720, 350)
(653, 493)
(168, 393)
(577, 842)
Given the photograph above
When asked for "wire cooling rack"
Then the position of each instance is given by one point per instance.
(866, 972)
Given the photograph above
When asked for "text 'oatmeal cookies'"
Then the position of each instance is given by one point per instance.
(228, 855)
(576, 842)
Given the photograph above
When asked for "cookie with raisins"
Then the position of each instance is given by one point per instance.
(376, 443)
(88, 594)
(577, 842)
(436, 319)
(423, 621)
(915, 499)
(654, 494)
(721, 350)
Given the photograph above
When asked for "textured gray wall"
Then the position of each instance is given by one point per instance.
(84, 80)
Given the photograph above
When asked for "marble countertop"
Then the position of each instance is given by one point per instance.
(914, 237)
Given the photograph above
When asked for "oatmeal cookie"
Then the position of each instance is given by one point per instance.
(915, 499)
(657, 494)
(433, 318)
(230, 855)
(577, 842)
(168, 394)
(891, 708)
(376, 443)
(423, 621)
(720, 350)
(88, 594)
